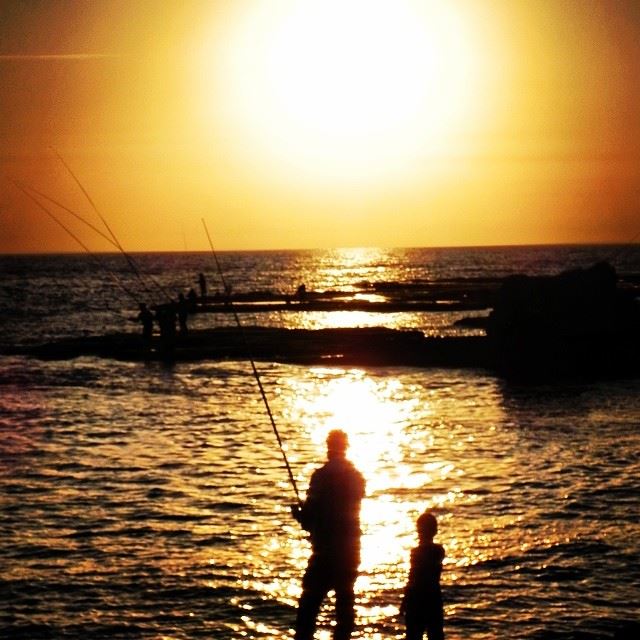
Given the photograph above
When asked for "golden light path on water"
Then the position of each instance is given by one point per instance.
(411, 457)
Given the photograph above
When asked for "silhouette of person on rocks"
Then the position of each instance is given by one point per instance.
(183, 313)
(422, 602)
(202, 282)
(145, 317)
(166, 317)
(192, 298)
(331, 515)
(301, 293)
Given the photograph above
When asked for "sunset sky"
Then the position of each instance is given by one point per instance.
(310, 124)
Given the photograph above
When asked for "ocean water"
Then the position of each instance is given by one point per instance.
(140, 500)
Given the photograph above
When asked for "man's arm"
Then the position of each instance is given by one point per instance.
(304, 513)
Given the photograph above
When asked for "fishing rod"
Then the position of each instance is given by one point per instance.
(88, 197)
(73, 213)
(88, 224)
(82, 244)
(255, 371)
(115, 241)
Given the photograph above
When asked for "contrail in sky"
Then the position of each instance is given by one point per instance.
(57, 56)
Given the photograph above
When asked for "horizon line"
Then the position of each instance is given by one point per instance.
(345, 248)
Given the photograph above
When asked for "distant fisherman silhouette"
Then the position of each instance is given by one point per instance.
(331, 514)
(422, 603)
(202, 282)
(192, 298)
(145, 317)
(166, 317)
(183, 314)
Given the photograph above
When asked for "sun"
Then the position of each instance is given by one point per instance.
(351, 90)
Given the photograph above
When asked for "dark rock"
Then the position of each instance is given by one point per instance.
(576, 322)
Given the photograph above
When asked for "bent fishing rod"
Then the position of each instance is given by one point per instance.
(254, 369)
(136, 271)
(93, 256)
(114, 241)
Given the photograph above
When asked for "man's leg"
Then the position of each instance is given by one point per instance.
(415, 626)
(345, 614)
(435, 624)
(315, 586)
(345, 605)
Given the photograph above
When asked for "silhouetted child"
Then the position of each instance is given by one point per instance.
(422, 602)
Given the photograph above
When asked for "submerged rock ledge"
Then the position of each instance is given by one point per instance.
(544, 358)
(349, 346)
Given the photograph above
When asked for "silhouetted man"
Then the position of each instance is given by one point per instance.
(331, 515)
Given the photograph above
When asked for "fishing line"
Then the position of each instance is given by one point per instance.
(255, 371)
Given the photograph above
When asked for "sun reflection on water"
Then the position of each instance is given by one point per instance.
(391, 442)
(421, 443)
(355, 262)
(340, 319)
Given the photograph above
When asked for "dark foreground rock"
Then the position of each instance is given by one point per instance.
(578, 322)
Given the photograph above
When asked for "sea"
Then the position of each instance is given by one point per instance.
(148, 500)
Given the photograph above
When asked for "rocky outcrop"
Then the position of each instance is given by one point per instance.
(576, 322)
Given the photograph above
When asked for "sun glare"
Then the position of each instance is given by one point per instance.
(372, 412)
(346, 91)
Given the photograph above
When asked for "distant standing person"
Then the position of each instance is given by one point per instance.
(422, 602)
(228, 290)
(183, 313)
(202, 281)
(331, 514)
(145, 317)
(192, 297)
(166, 318)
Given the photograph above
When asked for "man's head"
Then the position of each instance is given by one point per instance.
(337, 444)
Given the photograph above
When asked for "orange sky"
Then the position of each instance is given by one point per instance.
(304, 124)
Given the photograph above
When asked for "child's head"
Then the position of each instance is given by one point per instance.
(427, 526)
